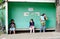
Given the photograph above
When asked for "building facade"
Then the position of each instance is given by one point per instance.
(20, 7)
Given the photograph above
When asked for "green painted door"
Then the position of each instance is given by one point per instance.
(22, 12)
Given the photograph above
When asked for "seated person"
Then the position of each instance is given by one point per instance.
(12, 26)
(31, 25)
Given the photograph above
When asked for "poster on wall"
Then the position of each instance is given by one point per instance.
(26, 13)
(30, 9)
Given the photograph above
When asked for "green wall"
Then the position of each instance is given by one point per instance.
(16, 11)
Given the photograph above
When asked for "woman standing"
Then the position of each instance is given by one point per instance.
(43, 19)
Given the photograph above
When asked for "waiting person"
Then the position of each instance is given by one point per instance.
(12, 26)
(31, 26)
(43, 19)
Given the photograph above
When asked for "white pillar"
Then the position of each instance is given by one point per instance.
(6, 17)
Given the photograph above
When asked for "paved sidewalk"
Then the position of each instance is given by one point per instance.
(45, 35)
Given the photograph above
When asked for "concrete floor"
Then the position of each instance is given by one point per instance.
(45, 35)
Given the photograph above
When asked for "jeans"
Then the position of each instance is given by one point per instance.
(42, 28)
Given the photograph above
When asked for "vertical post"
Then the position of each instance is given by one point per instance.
(6, 20)
(58, 16)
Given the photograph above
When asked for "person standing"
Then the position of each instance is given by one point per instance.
(43, 19)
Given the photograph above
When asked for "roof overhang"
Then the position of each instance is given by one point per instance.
(49, 1)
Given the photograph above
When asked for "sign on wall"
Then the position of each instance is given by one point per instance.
(26, 13)
(31, 12)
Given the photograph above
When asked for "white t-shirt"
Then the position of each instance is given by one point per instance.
(42, 18)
